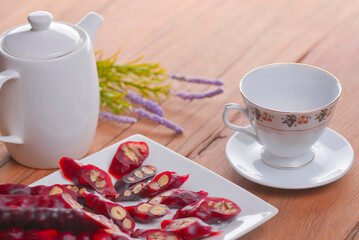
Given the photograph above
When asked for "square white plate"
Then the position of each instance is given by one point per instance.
(254, 212)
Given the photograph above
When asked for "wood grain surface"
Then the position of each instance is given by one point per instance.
(226, 39)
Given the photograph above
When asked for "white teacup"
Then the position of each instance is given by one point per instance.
(289, 106)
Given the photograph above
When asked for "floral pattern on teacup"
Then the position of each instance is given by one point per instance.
(280, 120)
(320, 116)
(262, 116)
(323, 114)
(293, 120)
(290, 120)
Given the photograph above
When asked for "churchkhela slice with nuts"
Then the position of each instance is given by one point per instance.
(155, 234)
(53, 190)
(35, 201)
(133, 193)
(79, 190)
(164, 181)
(129, 156)
(210, 210)
(147, 212)
(61, 219)
(143, 173)
(178, 198)
(189, 228)
(112, 210)
(88, 176)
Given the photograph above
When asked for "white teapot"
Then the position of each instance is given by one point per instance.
(49, 92)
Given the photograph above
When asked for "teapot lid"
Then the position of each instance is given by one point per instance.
(41, 39)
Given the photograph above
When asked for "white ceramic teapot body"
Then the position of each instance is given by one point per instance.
(49, 107)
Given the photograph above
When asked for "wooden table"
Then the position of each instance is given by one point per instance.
(226, 39)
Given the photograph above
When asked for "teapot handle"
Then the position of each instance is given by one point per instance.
(4, 77)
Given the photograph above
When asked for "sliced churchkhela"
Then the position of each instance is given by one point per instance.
(143, 173)
(112, 210)
(133, 193)
(210, 210)
(88, 176)
(147, 212)
(164, 181)
(61, 219)
(53, 190)
(178, 198)
(78, 191)
(189, 228)
(129, 156)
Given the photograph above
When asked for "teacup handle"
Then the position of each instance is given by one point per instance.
(233, 106)
(4, 77)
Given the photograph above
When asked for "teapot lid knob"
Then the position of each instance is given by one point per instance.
(40, 20)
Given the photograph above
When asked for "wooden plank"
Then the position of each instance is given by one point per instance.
(36, 175)
(354, 235)
(137, 23)
(12, 172)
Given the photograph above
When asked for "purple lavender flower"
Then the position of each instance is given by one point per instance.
(191, 96)
(158, 119)
(197, 80)
(146, 103)
(117, 118)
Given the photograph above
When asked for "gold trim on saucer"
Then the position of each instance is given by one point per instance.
(273, 165)
(286, 157)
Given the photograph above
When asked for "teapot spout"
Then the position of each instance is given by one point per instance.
(90, 23)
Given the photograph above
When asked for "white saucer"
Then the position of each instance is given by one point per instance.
(333, 158)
